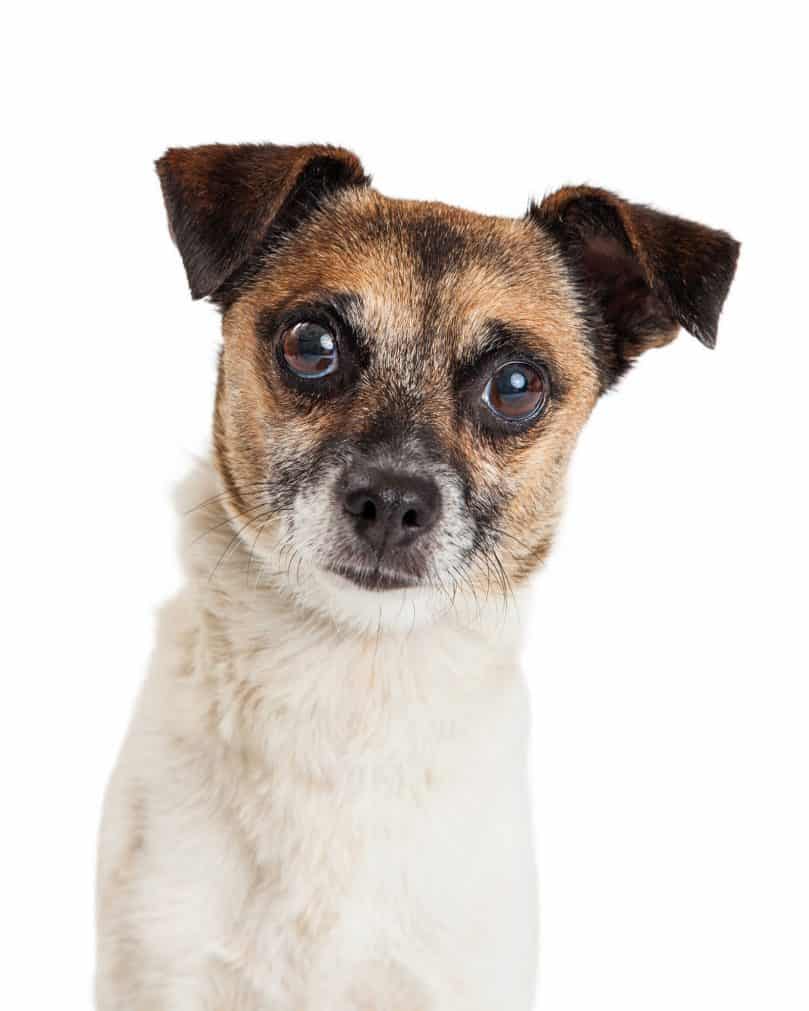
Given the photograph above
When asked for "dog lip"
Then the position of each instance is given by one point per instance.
(375, 580)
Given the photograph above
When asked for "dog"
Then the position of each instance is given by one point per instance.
(321, 803)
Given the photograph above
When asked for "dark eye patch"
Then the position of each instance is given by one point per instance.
(284, 336)
(505, 353)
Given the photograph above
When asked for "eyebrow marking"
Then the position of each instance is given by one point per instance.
(502, 342)
(344, 307)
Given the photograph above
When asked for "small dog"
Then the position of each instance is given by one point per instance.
(321, 804)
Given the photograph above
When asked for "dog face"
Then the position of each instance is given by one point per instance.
(402, 383)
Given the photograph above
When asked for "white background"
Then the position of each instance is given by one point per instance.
(667, 654)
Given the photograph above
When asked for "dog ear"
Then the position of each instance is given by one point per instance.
(223, 200)
(645, 274)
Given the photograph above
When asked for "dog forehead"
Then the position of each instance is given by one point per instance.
(427, 277)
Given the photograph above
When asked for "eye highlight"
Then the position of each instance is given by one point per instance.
(516, 392)
(310, 350)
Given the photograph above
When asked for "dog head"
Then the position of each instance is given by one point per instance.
(401, 384)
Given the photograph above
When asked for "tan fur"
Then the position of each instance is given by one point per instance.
(513, 275)
(322, 804)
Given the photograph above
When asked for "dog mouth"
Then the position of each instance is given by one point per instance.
(375, 579)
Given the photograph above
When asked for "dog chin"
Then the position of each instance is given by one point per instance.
(368, 603)
(377, 580)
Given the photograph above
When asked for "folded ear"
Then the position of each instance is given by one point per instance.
(223, 200)
(644, 274)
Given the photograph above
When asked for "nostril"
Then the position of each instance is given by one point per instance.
(363, 505)
(411, 519)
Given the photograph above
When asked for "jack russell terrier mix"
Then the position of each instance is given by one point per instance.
(321, 803)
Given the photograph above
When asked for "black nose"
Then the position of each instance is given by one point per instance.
(391, 509)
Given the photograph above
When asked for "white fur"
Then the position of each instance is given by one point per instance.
(312, 816)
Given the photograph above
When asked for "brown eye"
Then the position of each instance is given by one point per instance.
(310, 350)
(516, 392)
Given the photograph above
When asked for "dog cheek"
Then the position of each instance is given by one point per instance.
(530, 524)
(516, 504)
(263, 446)
(454, 537)
(311, 519)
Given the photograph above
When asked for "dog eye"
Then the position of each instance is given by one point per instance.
(516, 392)
(310, 350)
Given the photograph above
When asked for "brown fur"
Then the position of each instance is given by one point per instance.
(222, 200)
(645, 274)
(586, 280)
(421, 330)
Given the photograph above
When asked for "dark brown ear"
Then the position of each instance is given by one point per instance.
(644, 274)
(222, 200)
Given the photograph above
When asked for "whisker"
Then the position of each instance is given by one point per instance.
(229, 548)
(262, 521)
(256, 486)
(505, 533)
(508, 589)
(226, 520)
